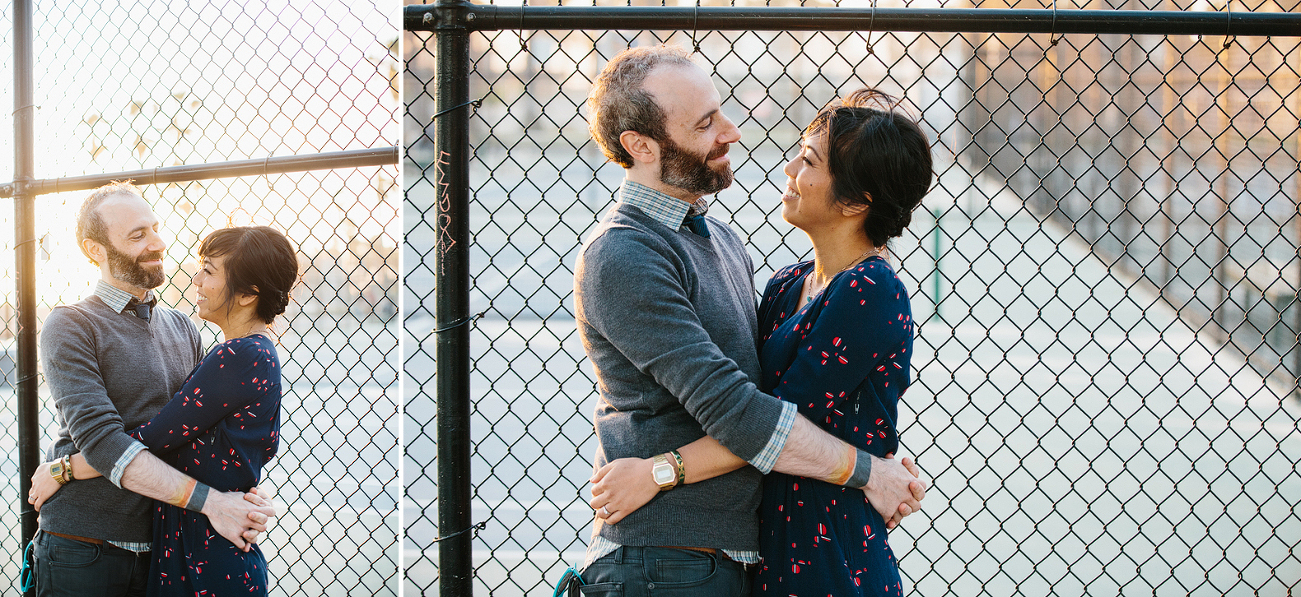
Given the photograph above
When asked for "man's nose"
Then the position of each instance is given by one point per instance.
(729, 133)
(156, 242)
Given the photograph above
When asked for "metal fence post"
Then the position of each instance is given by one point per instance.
(1296, 302)
(25, 255)
(452, 296)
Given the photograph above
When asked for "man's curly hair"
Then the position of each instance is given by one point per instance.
(618, 102)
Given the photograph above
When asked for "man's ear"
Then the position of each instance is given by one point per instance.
(640, 147)
(96, 251)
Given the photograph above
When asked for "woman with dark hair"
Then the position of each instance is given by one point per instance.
(223, 426)
(835, 339)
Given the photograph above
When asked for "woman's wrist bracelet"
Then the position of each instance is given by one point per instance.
(682, 469)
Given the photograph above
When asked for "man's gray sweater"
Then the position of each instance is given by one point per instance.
(668, 320)
(109, 372)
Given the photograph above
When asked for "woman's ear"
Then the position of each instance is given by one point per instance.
(850, 210)
(248, 299)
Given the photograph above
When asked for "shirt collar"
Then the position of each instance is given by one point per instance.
(115, 297)
(663, 208)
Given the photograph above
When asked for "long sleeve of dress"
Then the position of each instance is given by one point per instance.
(858, 328)
(844, 360)
(222, 428)
(234, 375)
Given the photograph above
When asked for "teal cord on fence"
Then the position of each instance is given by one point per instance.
(570, 578)
(27, 576)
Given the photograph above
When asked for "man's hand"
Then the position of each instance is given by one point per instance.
(232, 516)
(895, 488)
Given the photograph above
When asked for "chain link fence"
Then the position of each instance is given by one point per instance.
(1105, 278)
(127, 86)
(9, 491)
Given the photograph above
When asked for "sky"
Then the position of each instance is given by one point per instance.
(154, 83)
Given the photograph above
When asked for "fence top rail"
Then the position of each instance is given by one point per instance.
(481, 17)
(353, 158)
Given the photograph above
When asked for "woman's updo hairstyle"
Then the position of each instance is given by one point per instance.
(259, 260)
(878, 156)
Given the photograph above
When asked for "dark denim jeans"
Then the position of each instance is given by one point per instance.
(70, 568)
(665, 572)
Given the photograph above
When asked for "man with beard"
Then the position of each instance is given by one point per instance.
(665, 305)
(112, 361)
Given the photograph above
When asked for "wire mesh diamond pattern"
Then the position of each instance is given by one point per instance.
(9, 490)
(1105, 275)
(125, 86)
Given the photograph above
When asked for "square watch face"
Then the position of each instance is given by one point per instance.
(663, 474)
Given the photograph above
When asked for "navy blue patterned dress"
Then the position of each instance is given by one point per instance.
(843, 360)
(221, 428)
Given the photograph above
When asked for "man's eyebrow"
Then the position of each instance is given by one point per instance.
(144, 227)
(707, 116)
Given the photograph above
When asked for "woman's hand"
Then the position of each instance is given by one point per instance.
(916, 486)
(43, 486)
(621, 487)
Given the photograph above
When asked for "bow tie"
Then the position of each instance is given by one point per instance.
(695, 219)
(697, 224)
(141, 308)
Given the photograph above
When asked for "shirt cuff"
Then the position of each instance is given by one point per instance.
(767, 458)
(120, 467)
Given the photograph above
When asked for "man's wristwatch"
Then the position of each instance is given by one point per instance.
(664, 474)
(56, 471)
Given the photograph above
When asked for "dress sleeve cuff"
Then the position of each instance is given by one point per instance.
(115, 476)
(767, 458)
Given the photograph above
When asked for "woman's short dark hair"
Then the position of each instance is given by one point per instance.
(878, 156)
(259, 260)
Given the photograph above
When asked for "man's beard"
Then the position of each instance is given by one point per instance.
(127, 269)
(691, 172)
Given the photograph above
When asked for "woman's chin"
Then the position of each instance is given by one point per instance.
(793, 221)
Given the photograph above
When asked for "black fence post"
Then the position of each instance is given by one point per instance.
(452, 296)
(25, 255)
